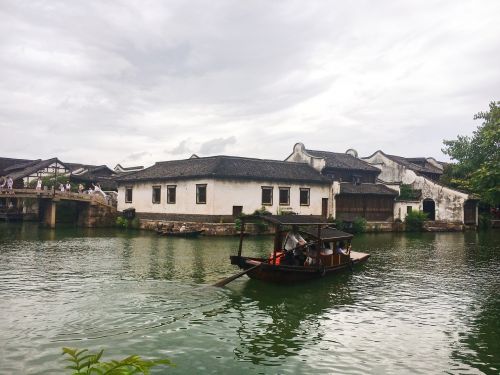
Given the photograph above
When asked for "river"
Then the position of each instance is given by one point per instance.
(423, 304)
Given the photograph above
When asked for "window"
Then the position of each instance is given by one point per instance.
(128, 194)
(304, 196)
(267, 195)
(408, 209)
(171, 190)
(201, 194)
(284, 196)
(156, 194)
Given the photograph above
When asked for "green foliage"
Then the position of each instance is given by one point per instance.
(84, 362)
(261, 212)
(415, 221)
(121, 222)
(135, 223)
(125, 223)
(50, 181)
(261, 226)
(340, 224)
(406, 193)
(237, 224)
(477, 168)
(359, 225)
(484, 221)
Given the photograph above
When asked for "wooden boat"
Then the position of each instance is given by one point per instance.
(325, 261)
(186, 233)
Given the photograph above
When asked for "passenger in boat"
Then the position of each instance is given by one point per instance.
(295, 243)
(341, 249)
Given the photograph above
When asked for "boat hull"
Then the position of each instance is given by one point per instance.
(186, 234)
(286, 274)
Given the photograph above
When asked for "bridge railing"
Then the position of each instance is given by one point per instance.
(51, 193)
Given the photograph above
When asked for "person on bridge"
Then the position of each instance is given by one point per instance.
(80, 188)
(61, 187)
(10, 182)
(68, 186)
(39, 184)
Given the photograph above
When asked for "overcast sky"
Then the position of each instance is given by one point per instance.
(134, 82)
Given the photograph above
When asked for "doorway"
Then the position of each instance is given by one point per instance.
(429, 207)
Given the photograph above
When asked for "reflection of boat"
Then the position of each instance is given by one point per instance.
(186, 233)
(323, 260)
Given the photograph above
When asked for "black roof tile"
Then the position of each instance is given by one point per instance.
(228, 167)
(340, 160)
(371, 189)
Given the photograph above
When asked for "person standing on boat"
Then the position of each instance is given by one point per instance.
(294, 242)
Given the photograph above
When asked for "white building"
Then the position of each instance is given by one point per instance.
(212, 188)
(439, 202)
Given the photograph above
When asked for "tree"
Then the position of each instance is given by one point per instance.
(477, 167)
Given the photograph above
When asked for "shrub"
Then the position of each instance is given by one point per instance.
(340, 224)
(415, 221)
(84, 362)
(135, 223)
(484, 221)
(237, 224)
(121, 222)
(359, 225)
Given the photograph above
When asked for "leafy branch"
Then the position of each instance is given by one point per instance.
(84, 362)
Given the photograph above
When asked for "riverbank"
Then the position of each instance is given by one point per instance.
(231, 229)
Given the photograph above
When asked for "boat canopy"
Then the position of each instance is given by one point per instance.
(288, 219)
(331, 234)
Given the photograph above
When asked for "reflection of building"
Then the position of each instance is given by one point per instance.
(421, 174)
(208, 188)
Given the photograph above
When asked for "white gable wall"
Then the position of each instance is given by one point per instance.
(449, 203)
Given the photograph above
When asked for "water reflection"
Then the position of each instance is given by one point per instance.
(424, 303)
(289, 319)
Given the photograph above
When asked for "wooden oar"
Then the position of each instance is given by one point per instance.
(227, 280)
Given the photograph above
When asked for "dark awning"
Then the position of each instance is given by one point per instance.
(288, 219)
(330, 234)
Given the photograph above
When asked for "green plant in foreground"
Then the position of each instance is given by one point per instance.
(87, 363)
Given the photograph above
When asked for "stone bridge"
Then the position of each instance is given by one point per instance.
(92, 209)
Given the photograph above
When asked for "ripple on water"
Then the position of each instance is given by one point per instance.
(422, 304)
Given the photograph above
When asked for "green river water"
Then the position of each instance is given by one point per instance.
(423, 304)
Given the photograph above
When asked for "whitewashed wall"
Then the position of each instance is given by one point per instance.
(400, 208)
(222, 195)
(299, 155)
(449, 203)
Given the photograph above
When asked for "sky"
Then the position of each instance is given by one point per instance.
(135, 82)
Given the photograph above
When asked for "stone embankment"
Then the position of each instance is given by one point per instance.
(229, 229)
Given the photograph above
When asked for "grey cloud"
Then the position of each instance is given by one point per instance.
(216, 145)
(107, 74)
(181, 148)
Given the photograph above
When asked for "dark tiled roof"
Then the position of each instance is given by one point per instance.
(8, 163)
(227, 167)
(340, 160)
(411, 165)
(33, 168)
(367, 189)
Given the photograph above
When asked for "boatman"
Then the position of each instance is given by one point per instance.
(294, 242)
